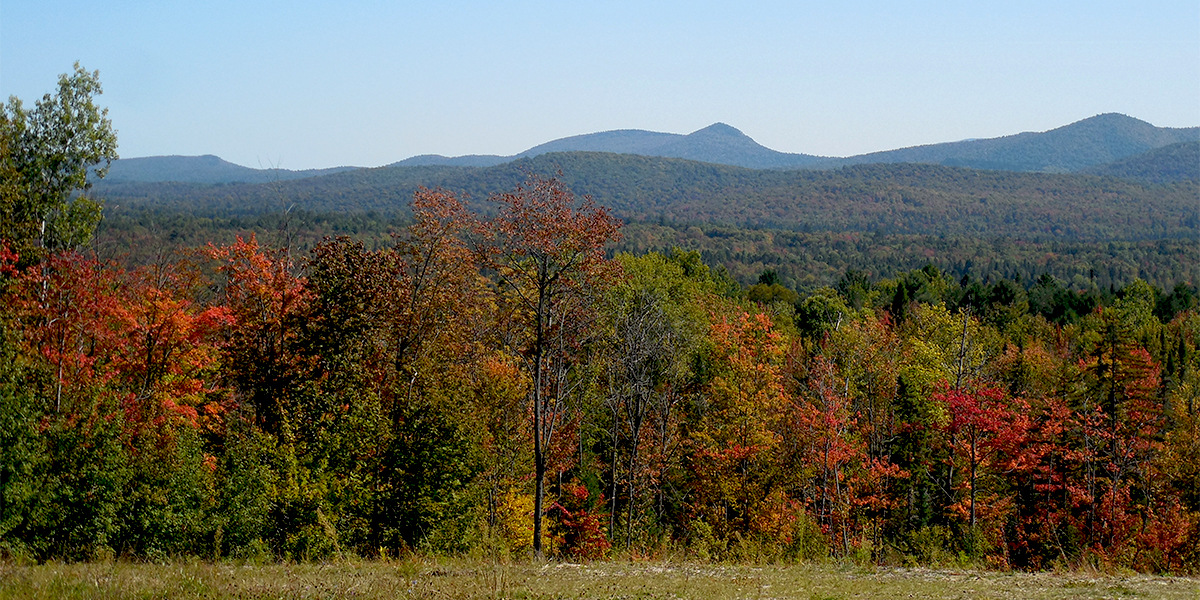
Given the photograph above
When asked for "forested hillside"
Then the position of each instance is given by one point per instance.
(803, 261)
(885, 199)
(1093, 141)
(1177, 162)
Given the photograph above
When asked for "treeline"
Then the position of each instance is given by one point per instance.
(500, 385)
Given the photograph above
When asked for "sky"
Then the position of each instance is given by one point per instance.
(301, 84)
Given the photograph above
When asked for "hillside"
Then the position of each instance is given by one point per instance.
(203, 169)
(1169, 164)
(889, 199)
(1099, 140)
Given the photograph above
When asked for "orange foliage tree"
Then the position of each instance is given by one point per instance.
(735, 458)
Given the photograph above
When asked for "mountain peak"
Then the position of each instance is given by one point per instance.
(719, 129)
(1110, 118)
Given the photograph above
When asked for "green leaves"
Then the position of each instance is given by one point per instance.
(48, 153)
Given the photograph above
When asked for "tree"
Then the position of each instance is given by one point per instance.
(654, 327)
(547, 251)
(983, 425)
(47, 154)
(735, 461)
(267, 302)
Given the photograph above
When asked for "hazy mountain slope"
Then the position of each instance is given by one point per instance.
(718, 143)
(620, 141)
(1093, 141)
(203, 169)
(1177, 162)
(437, 160)
(1098, 140)
(721, 144)
(902, 198)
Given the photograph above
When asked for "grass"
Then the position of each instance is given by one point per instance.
(451, 578)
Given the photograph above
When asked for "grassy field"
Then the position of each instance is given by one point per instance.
(476, 579)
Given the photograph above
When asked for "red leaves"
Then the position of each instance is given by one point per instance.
(546, 242)
(8, 260)
(580, 523)
(548, 254)
(265, 302)
(543, 219)
(74, 319)
(137, 337)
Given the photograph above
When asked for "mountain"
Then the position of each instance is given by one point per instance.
(202, 169)
(1097, 140)
(1177, 162)
(621, 141)
(1094, 141)
(718, 143)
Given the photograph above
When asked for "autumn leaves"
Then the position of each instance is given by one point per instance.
(501, 383)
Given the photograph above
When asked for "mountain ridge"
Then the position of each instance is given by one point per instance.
(1084, 144)
(1089, 142)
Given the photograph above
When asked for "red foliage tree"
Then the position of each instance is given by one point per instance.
(547, 251)
(266, 301)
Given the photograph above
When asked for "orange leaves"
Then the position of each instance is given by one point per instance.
(74, 319)
(541, 219)
(547, 251)
(138, 337)
(259, 284)
(437, 291)
(746, 393)
(546, 242)
(172, 355)
(734, 445)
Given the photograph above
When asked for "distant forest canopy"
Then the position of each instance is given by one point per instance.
(909, 199)
(802, 261)
(1177, 162)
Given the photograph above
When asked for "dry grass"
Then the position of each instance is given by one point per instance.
(432, 578)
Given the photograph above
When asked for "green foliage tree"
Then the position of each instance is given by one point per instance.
(47, 154)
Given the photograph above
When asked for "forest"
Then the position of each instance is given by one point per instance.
(437, 393)
(505, 381)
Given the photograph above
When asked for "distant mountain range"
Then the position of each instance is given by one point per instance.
(1085, 145)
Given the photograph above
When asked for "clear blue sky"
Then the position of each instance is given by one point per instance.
(314, 84)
